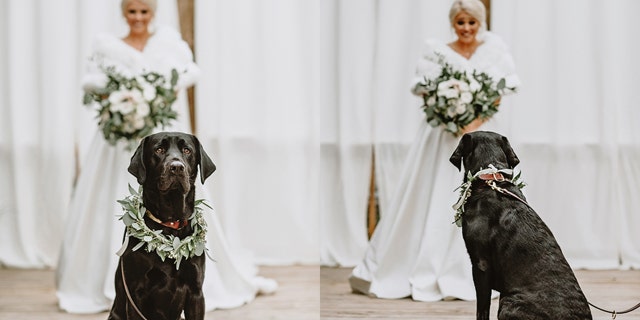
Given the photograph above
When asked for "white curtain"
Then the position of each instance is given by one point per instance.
(44, 128)
(257, 111)
(38, 94)
(573, 123)
(348, 50)
(295, 93)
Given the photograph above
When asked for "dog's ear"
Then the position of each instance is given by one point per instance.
(136, 166)
(207, 167)
(512, 159)
(456, 157)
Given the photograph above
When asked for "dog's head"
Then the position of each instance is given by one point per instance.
(169, 161)
(477, 150)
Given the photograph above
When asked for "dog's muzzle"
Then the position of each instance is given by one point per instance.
(175, 174)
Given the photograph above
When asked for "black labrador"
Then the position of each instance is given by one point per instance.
(511, 249)
(166, 165)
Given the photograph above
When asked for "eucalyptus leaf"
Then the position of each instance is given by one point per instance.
(138, 246)
(127, 220)
(176, 243)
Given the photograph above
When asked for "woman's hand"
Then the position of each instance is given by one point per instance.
(475, 124)
(472, 126)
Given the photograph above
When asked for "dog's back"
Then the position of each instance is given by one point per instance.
(511, 249)
(534, 278)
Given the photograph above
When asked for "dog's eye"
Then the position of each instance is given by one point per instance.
(186, 150)
(159, 150)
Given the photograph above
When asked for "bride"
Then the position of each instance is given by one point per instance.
(416, 250)
(87, 264)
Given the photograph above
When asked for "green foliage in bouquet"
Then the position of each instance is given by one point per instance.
(455, 98)
(130, 108)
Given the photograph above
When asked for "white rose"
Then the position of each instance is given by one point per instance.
(143, 109)
(460, 108)
(148, 91)
(126, 107)
(431, 101)
(452, 93)
(116, 97)
(138, 122)
(445, 86)
(462, 85)
(451, 111)
(474, 85)
(127, 126)
(125, 101)
(466, 97)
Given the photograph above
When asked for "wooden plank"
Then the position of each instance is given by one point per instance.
(311, 292)
(30, 294)
(185, 14)
(610, 289)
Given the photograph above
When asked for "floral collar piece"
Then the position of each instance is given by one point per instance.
(165, 246)
(465, 188)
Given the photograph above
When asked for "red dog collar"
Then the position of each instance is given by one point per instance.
(497, 176)
(176, 225)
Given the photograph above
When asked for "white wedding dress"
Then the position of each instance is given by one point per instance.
(93, 234)
(416, 251)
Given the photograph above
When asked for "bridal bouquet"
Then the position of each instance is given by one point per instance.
(129, 108)
(455, 98)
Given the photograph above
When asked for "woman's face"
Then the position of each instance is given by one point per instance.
(466, 27)
(138, 16)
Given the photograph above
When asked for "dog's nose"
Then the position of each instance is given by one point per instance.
(176, 167)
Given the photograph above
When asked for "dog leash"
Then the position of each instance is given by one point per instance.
(492, 184)
(126, 290)
(614, 313)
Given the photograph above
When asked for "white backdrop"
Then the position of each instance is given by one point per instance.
(44, 128)
(257, 111)
(573, 122)
(295, 93)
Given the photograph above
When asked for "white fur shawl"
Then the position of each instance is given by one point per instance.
(165, 50)
(491, 57)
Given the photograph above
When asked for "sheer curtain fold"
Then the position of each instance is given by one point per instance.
(572, 122)
(37, 143)
(346, 139)
(402, 27)
(257, 113)
(296, 95)
(45, 128)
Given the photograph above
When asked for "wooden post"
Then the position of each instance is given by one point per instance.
(487, 4)
(372, 208)
(185, 11)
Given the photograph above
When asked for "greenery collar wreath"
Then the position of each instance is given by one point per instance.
(166, 246)
(465, 189)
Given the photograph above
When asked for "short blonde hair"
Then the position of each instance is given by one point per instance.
(473, 7)
(153, 4)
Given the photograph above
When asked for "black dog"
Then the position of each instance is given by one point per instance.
(165, 164)
(511, 249)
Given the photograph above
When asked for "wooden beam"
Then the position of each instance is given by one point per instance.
(186, 13)
(372, 208)
(487, 4)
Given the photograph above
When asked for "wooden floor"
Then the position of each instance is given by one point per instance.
(608, 289)
(310, 293)
(30, 294)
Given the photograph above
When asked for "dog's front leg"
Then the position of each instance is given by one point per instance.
(195, 307)
(119, 307)
(481, 280)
